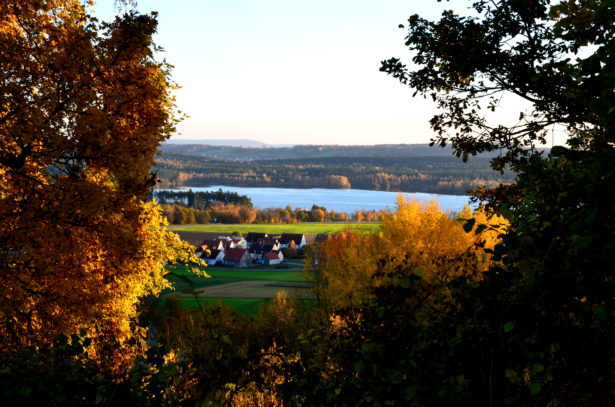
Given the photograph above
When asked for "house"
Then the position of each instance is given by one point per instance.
(253, 237)
(211, 244)
(297, 238)
(271, 258)
(263, 246)
(213, 257)
(237, 257)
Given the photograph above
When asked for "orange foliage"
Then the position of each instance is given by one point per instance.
(84, 108)
(416, 239)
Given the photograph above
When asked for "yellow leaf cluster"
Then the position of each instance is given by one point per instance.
(417, 241)
(83, 109)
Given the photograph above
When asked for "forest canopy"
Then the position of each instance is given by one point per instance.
(443, 173)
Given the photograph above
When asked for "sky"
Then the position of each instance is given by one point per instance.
(290, 72)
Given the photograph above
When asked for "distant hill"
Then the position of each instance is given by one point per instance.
(385, 167)
(266, 152)
(229, 143)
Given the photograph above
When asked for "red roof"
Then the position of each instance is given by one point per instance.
(234, 254)
(272, 256)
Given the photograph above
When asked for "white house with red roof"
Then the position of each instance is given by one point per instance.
(271, 258)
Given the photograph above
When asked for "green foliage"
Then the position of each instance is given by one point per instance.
(539, 329)
(201, 200)
(556, 56)
(557, 293)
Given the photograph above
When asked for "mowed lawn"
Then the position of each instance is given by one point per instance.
(185, 281)
(279, 228)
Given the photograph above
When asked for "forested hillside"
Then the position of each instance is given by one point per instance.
(336, 168)
(305, 151)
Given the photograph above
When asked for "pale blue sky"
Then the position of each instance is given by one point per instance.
(290, 72)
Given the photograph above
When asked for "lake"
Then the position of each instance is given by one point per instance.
(340, 200)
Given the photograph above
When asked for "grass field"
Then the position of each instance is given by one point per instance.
(185, 283)
(246, 306)
(278, 228)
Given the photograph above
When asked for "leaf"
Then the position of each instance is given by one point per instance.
(480, 229)
(469, 224)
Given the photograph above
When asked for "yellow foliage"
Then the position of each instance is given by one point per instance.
(84, 107)
(417, 240)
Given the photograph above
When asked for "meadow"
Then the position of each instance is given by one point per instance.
(278, 228)
(233, 286)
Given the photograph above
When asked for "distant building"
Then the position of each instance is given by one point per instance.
(263, 246)
(271, 258)
(297, 238)
(213, 257)
(237, 257)
(252, 237)
(212, 244)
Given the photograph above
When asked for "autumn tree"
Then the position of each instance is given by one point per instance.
(419, 237)
(84, 107)
(386, 295)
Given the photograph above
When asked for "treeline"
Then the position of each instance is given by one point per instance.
(201, 200)
(179, 214)
(306, 151)
(437, 174)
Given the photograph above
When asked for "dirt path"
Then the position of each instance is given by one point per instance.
(250, 289)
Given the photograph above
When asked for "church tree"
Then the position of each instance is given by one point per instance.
(83, 107)
(540, 328)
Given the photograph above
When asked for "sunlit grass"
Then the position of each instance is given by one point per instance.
(185, 281)
(278, 228)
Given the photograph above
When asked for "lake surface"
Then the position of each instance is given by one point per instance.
(340, 200)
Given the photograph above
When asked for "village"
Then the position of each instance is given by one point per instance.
(253, 249)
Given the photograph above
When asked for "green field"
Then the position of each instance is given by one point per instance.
(185, 281)
(246, 306)
(278, 228)
(225, 275)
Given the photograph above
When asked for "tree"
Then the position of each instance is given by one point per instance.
(317, 215)
(352, 266)
(84, 106)
(556, 56)
(392, 290)
(540, 325)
